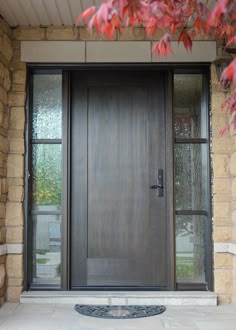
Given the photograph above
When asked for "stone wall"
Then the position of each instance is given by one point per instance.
(6, 53)
(223, 163)
(15, 175)
(224, 221)
(12, 103)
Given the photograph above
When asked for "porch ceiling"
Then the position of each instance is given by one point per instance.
(47, 12)
(43, 12)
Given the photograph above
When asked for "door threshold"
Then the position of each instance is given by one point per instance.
(174, 298)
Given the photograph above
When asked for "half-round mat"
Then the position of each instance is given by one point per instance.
(119, 312)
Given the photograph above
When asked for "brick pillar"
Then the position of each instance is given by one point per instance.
(15, 175)
(222, 224)
(6, 53)
(233, 210)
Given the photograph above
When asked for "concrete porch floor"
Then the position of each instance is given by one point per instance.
(15, 316)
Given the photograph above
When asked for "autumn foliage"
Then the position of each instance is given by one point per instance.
(184, 18)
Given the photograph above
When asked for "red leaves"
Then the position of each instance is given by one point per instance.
(198, 24)
(216, 14)
(185, 38)
(162, 47)
(187, 18)
(167, 16)
(231, 41)
(229, 75)
(85, 15)
(104, 20)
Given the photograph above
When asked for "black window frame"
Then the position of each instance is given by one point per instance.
(65, 69)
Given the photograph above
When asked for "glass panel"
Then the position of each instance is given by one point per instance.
(190, 250)
(46, 171)
(191, 176)
(47, 107)
(189, 108)
(47, 249)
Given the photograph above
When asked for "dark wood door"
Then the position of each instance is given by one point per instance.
(118, 223)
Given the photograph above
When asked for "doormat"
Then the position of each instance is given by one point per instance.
(119, 312)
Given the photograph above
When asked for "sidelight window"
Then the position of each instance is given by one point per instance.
(191, 177)
(46, 181)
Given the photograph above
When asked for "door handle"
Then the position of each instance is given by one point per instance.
(156, 186)
(159, 184)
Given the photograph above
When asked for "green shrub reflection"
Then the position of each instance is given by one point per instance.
(47, 174)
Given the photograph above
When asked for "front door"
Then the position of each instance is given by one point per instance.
(118, 179)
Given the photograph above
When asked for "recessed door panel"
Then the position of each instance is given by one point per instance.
(118, 202)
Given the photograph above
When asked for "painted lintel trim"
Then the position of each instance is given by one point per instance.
(11, 249)
(113, 52)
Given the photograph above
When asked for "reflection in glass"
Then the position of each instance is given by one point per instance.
(47, 106)
(47, 248)
(189, 112)
(190, 250)
(190, 176)
(46, 171)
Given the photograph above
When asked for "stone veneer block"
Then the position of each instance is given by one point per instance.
(128, 33)
(14, 282)
(15, 168)
(17, 118)
(118, 52)
(221, 247)
(221, 185)
(223, 281)
(17, 146)
(3, 95)
(202, 51)
(3, 249)
(15, 181)
(6, 47)
(13, 293)
(4, 145)
(53, 51)
(221, 144)
(14, 213)
(16, 99)
(15, 249)
(15, 194)
(2, 210)
(19, 77)
(16, 133)
(2, 275)
(14, 235)
(221, 165)
(86, 35)
(29, 33)
(223, 260)
(14, 265)
(233, 164)
(61, 33)
(5, 27)
(221, 210)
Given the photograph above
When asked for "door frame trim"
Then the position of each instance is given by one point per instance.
(169, 154)
(66, 145)
(169, 145)
(66, 68)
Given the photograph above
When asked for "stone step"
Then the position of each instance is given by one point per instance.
(176, 298)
